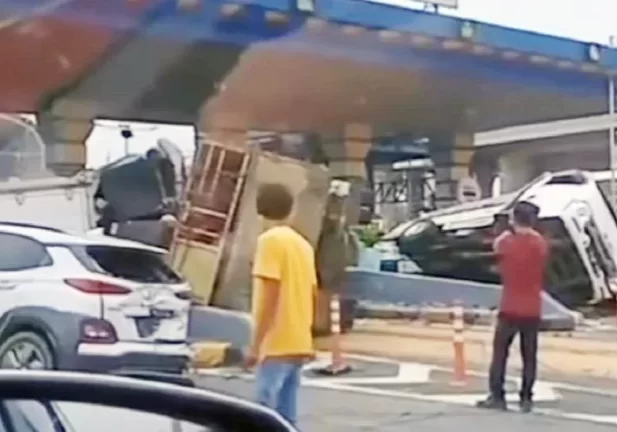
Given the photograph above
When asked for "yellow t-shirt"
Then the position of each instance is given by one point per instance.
(284, 255)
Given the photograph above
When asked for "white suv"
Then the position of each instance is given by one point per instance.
(91, 303)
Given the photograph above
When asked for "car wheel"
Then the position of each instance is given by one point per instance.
(26, 350)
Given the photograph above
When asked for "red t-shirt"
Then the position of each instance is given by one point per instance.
(522, 260)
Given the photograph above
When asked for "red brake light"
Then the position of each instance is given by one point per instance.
(98, 331)
(96, 287)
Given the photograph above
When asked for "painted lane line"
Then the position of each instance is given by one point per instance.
(408, 373)
(591, 418)
(582, 389)
(228, 373)
(365, 390)
(554, 384)
(470, 399)
(588, 418)
(466, 400)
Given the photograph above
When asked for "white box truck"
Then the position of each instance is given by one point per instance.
(58, 202)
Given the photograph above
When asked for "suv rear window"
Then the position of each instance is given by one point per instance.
(136, 265)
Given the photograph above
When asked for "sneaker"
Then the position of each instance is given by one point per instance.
(492, 402)
(526, 405)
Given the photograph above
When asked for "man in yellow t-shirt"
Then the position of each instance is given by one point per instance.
(284, 287)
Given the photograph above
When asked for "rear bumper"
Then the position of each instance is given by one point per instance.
(167, 358)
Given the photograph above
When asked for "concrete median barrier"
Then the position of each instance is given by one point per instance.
(392, 295)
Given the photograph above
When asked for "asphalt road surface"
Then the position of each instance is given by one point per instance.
(382, 395)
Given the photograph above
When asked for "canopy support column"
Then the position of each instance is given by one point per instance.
(611, 138)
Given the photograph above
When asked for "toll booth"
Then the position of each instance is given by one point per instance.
(401, 176)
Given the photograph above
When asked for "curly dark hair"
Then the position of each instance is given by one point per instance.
(274, 201)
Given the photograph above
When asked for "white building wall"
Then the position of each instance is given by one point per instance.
(566, 144)
(515, 169)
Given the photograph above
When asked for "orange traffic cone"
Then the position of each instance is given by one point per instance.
(338, 365)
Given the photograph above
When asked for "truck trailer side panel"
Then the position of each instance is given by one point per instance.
(60, 203)
(309, 185)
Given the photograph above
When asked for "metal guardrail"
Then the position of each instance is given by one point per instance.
(427, 314)
(441, 314)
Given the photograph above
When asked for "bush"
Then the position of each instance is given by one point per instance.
(369, 235)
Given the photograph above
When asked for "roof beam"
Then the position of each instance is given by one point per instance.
(544, 130)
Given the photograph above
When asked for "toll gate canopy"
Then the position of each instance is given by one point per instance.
(278, 65)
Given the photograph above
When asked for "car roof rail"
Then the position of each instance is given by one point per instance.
(31, 225)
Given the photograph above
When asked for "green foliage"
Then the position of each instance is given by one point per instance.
(368, 235)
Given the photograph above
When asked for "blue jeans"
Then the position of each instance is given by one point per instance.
(278, 382)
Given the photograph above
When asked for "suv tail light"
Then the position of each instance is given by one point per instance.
(98, 331)
(96, 287)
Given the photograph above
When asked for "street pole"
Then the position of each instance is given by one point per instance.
(611, 139)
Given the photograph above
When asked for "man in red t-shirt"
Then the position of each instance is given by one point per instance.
(522, 254)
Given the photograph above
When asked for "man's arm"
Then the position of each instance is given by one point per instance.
(267, 277)
(498, 242)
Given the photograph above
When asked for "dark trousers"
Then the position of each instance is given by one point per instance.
(507, 328)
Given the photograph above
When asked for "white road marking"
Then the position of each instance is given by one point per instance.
(591, 418)
(553, 384)
(468, 400)
(416, 373)
(329, 385)
(408, 373)
(231, 372)
(583, 389)
(541, 393)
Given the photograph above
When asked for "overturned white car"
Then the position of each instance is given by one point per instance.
(575, 216)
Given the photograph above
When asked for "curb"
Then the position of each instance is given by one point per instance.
(446, 336)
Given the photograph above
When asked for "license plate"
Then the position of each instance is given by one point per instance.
(172, 330)
(136, 312)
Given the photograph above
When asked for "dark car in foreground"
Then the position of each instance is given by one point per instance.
(51, 401)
